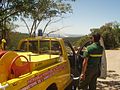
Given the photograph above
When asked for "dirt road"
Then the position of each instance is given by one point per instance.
(112, 82)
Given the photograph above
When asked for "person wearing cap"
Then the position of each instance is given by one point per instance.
(91, 64)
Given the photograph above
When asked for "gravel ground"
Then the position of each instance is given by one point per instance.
(112, 82)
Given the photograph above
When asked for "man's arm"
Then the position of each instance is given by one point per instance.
(84, 66)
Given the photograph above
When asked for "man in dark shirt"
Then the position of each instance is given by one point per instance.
(91, 64)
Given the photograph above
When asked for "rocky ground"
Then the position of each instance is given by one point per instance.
(112, 82)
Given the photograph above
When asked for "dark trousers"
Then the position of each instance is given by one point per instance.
(90, 80)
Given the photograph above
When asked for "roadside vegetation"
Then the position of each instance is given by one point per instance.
(110, 33)
(36, 11)
(14, 38)
(50, 11)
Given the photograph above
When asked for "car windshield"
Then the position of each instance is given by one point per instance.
(42, 47)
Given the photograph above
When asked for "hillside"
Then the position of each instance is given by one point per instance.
(72, 39)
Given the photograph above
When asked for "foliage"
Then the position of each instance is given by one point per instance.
(36, 10)
(10, 10)
(72, 39)
(82, 40)
(46, 10)
(110, 33)
(7, 29)
(14, 39)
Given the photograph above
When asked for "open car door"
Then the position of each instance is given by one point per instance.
(72, 56)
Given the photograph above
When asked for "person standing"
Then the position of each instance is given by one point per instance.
(2, 44)
(91, 64)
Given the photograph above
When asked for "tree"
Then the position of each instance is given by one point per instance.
(36, 10)
(111, 34)
(46, 10)
(116, 27)
(10, 10)
(82, 40)
(109, 40)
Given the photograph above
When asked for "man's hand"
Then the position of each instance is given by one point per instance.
(82, 77)
(84, 67)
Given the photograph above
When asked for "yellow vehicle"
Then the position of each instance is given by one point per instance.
(42, 63)
(39, 63)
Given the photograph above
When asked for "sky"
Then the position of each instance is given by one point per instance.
(87, 14)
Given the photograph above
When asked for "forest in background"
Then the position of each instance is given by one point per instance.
(110, 33)
(51, 11)
(33, 11)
